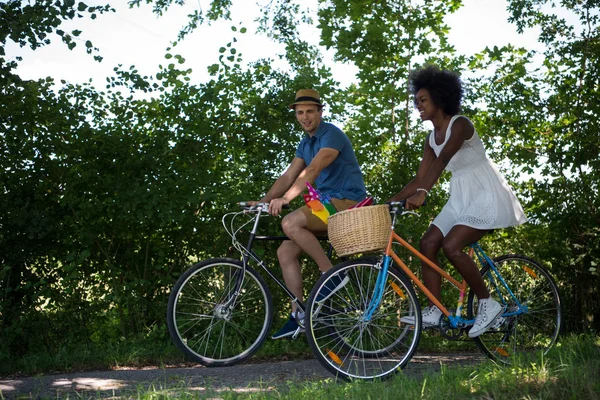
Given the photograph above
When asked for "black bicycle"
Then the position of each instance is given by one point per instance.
(220, 310)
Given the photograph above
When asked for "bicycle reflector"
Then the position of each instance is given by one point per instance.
(397, 290)
(530, 272)
(502, 352)
(334, 357)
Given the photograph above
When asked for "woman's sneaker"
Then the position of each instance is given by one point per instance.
(290, 328)
(431, 317)
(488, 311)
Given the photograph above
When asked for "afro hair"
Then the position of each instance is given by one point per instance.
(444, 87)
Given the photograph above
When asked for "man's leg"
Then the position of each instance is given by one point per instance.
(301, 226)
(295, 225)
(288, 255)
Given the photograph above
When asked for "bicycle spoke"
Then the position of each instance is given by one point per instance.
(538, 326)
(350, 345)
(213, 324)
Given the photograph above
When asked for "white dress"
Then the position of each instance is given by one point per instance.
(479, 195)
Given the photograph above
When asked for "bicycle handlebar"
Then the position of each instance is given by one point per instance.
(263, 207)
(246, 205)
(395, 206)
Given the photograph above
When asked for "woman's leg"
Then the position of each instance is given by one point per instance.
(459, 237)
(430, 245)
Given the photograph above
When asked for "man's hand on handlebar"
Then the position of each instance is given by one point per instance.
(276, 205)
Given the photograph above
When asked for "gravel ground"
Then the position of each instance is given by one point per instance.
(250, 377)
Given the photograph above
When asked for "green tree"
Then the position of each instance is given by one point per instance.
(109, 194)
(545, 122)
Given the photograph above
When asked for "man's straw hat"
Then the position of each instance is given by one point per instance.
(307, 96)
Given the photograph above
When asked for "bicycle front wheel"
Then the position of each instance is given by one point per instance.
(211, 323)
(535, 325)
(350, 343)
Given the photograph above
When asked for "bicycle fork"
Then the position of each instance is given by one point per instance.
(379, 289)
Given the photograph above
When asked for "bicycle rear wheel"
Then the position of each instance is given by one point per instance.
(352, 346)
(536, 328)
(209, 322)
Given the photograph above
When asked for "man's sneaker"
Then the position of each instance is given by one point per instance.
(487, 313)
(335, 283)
(431, 317)
(290, 328)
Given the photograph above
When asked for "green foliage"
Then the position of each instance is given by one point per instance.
(544, 120)
(30, 24)
(385, 41)
(109, 194)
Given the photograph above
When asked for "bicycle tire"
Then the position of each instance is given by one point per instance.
(354, 349)
(203, 328)
(535, 330)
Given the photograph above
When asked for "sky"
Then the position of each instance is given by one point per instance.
(139, 37)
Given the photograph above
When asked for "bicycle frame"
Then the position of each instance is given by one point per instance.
(483, 259)
(248, 254)
(456, 320)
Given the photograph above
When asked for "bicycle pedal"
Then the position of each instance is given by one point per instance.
(297, 333)
(498, 323)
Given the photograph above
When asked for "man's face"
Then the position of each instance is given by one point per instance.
(309, 117)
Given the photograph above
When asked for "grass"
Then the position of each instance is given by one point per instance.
(159, 350)
(569, 371)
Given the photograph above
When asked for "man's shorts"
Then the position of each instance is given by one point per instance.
(315, 224)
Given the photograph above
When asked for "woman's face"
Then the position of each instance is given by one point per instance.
(427, 109)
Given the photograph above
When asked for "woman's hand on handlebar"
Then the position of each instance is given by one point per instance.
(415, 201)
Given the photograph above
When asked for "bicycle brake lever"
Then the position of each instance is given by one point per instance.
(411, 212)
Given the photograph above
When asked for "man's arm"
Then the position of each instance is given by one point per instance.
(285, 181)
(322, 160)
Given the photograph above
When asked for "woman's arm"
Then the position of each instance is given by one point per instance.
(412, 186)
(462, 130)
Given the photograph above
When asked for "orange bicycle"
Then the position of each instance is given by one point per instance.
(357, 332)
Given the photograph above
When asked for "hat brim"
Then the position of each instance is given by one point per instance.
(292, 106)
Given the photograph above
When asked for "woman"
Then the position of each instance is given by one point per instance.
(480, 199)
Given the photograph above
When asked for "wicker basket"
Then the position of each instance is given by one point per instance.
(360, 230)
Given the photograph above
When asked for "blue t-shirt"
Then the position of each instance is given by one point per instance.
(342, 179)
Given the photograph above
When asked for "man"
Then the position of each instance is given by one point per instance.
(324, 158)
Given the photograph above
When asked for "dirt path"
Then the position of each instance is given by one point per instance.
(197, 379)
